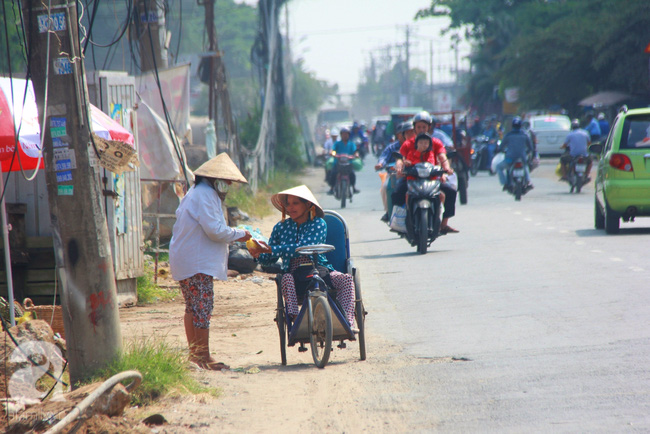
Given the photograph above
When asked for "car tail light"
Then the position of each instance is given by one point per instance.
(621, 162)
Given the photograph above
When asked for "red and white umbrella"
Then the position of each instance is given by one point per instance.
(20, 111)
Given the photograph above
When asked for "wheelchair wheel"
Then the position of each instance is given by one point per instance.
(282, 327)
(320, 330)
(360, 315)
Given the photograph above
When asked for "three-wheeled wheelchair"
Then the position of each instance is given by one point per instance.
(320, 320)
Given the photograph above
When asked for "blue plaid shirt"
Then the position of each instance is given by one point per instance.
(287, 236)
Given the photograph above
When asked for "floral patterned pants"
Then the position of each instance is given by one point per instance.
(198, 293)
(343, 283)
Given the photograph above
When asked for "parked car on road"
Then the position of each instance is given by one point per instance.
(623, 181)
(550, 130)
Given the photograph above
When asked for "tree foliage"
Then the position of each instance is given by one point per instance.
(556, 52)
(379, 89)
(11, 48)
(308, 91)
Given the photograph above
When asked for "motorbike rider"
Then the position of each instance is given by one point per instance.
(577, 144)
(438, 133)
(328, 146)
(533, 158)
(475, 130)
(422, 123)
(343, 146)
(332, 137)
(516, 145)
(603, 124)
(358, 136)
(403, 132)
(492, 133)
(592, 127)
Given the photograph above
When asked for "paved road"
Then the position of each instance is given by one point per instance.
(528, 319)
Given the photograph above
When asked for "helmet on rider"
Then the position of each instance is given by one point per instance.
(516, 123)
(423, 116)
(575, 124)
(345, 130)
(334, 132)
(403, 127)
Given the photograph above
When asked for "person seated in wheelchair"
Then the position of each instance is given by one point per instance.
(305, 226)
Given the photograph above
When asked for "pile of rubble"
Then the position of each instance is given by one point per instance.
(34, 393)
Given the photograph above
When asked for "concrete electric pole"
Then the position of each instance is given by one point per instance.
(82, 249)
(218, 86)
(152, 35)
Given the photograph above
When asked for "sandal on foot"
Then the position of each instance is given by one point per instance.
(214, 366)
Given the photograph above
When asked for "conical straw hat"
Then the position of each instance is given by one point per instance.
(220, 167)
(301, 191)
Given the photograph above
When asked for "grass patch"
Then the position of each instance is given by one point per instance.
(259, 204)
(164, 370)
(149, 292)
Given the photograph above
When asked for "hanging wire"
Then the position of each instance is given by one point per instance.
(170, 126)
(47, 80)
(115, 40)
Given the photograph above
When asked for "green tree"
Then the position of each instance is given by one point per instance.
(556, 52)
(14, 47)
(236, 25)
(308, 91)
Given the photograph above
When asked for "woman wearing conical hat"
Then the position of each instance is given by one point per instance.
(198, 252)
(305, 226)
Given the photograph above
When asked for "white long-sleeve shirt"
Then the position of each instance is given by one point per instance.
(201, 235)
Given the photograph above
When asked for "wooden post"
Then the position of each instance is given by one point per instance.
(80, 233)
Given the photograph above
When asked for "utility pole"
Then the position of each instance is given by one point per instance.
(152, 35)
(431, 70)
(81, 244)
(218, 87)
(407, 88)
(212, 48)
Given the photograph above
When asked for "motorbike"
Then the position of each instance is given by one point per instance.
(343, 189)
(480, 155)
(423, 205)
(577, 174)
(516, 183)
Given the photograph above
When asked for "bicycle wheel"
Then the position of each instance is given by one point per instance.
(282, 327)
(320, 330)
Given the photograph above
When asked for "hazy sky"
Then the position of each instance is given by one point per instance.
(337, 37)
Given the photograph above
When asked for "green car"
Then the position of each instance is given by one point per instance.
(623, 180)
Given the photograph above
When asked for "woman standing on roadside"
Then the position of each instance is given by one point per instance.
(198, 252)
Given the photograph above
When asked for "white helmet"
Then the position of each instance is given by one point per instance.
(334, 132)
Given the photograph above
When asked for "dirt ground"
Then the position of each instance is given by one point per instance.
(258, 394)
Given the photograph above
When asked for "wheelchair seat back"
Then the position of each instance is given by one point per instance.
(337, 235)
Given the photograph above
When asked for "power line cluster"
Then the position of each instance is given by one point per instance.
(132, 20)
